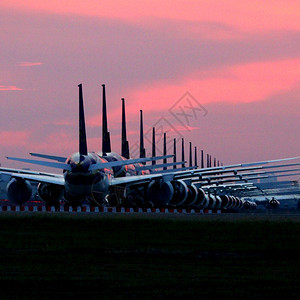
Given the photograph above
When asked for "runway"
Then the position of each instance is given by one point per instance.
(154, 213)
(88, 209)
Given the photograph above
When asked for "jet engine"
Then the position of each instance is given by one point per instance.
(18, 190)
(249, 205)
(231, 202)
(226, 201)
(200, 198)
(192, 195)
(212, 201)
(51, 194)
(159, 192)
(181, 192)
(218, 204)
(203, 200)
(235, 202)
(273, 203)
(240, 203)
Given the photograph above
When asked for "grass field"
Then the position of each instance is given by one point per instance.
(62, 255)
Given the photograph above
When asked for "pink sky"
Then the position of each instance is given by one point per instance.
(240, 61)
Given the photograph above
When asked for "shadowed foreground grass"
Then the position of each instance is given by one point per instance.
(65, 255)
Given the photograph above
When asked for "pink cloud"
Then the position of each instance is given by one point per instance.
(245, 15)
(94, 121)
(67, 144)
(29, 64)
(62, 123)
(14, 138)
(242, 83)
(9, 88)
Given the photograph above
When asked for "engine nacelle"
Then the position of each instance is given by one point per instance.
(192, 195)
(226, 201)
(218, 204)
(212, 201)
(235, 202)
(205, 202)
(231, 202)
(51, 194)
(180, 193)
(160, 193)
(200, 199)
(273, 203)
(18, 191)
(249, 205)
(240, 203)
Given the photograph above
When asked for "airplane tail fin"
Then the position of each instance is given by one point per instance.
(82, 131)
(182, 152)
(153, 146)
(142, 149)
(174, 152)
(125, 144)
(165, 149)
(106, 146)
(190, 161)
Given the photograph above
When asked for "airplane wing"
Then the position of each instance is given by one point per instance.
(57, 180)
(216, 179)
(64, 166)
(51, 157)
(174, 174)
(10, 171)
(140, 178)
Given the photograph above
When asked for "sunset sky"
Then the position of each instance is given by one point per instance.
(236, 62)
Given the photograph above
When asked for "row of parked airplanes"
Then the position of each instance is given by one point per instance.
(109, 179)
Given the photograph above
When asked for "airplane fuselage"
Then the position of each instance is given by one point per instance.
(81, 183)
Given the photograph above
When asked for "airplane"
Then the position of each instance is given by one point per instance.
(106, 153)
(85, 174)
(53, 186)
(91, 176)
(50, 193)
(136, 193)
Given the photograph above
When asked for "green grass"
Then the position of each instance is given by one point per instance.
(123, 256)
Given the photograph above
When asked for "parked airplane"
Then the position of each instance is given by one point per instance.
(91, 176)
(122, 169)
(85, 174)
(138, 194)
